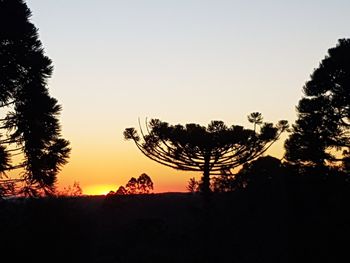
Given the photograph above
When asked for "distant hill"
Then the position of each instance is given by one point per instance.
(246, 226)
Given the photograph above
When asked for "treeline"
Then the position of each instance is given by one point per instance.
(142, 185)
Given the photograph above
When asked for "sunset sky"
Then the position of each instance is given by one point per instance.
(180, 61)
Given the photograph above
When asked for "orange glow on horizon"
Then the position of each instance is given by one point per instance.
(108, 166)
(99, 189)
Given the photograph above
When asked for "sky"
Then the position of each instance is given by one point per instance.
(181, 61)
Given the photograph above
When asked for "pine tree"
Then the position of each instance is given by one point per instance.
(321, 134)
(31, 127)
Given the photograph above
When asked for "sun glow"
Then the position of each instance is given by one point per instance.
(102, 189)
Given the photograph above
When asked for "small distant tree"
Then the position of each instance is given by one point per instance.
(209, 149)
(255, 118)
(144, 184)
(121, 191)
(111, 193)
(71, 190)
(192, 185)
(131, 186)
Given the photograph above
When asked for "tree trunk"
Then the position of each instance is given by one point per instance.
(205, 178)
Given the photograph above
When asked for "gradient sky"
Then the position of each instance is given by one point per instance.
(180, 61)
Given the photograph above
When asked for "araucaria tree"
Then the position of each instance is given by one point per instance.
(321, 134)
(210, 150)
(30, 128)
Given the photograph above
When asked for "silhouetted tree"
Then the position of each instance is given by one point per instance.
(30, 127)
(121, 191)
(224, 183)
(131, 186)
(321, 133)
(71, 190)
(209, 149)
(260, 171)
(144, 184)
(192, 185)
(263, 171)
(255, 118)
(111, 193)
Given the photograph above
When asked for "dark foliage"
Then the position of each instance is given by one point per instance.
(71, 190)
(262, 173)
(121, 191)
(31, 125)
(192, 185)
(142, 185)
(306, 222)
(321, 134)
(211, 149)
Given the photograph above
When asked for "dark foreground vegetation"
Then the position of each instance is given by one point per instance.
(295, 211)
(298, 220)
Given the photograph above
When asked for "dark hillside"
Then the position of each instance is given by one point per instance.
(250, 226)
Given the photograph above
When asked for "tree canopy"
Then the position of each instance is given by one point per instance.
(30, 127)
(259, 173)
(211, 149)
(142, 185)
(321, 134)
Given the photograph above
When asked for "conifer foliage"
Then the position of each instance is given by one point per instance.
(321, 134)
(212, 150)
(30, 128)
